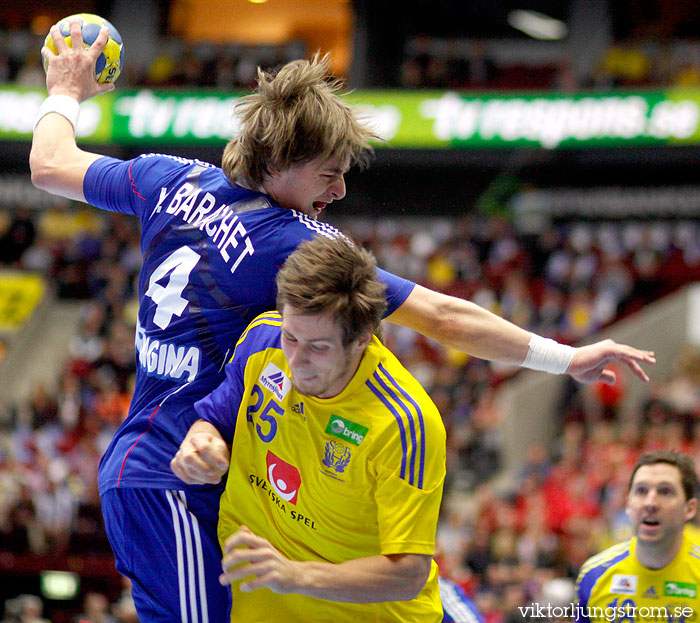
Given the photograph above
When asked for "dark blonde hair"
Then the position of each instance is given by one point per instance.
(331, 275)
(294, 116)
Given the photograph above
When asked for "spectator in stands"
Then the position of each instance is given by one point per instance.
(20, 235)
(481, 70)
(414, 69)
(31, 74)
(95, 609)
(124, 609)
(625, 63)
(24, 609)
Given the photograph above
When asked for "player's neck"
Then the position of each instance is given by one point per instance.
(658, 555)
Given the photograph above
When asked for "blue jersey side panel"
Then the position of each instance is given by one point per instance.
(211, 251)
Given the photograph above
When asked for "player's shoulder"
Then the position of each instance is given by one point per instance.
(262, 333)
(691, 548)
(692, 534)
(392, 376)
(165, 167)
(293, 228)
(173, 161)
(596, 566)
(400, 398)
(312, 226)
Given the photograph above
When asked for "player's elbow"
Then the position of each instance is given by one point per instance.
(58, 172)
(412, 591)
(43, 171)
(416, 569)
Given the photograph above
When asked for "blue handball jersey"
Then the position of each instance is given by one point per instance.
(211, 251)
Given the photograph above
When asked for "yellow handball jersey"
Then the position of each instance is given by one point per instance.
(330, 480)
(613, 587)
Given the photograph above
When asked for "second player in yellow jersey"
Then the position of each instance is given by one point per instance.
(654, 577)
(337, 463)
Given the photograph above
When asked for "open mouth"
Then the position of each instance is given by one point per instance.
(652, 523)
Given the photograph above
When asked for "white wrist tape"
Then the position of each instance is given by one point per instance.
(548, 356)
(64, 105)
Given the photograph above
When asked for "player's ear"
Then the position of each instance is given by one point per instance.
(691, 507)
(362, 342)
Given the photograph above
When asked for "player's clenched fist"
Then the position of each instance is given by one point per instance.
(203, 457)
(246, 554)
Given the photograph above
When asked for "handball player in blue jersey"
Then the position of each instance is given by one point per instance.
(457, 607)
(213, 239)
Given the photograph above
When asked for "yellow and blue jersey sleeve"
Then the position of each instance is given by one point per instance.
(221, 407)
(410, 463)
(591, 573)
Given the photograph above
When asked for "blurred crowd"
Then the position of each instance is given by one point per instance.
(652, 43)
(50, 447)
(96, 608)
(478, 65)
(428, 62)
(174, 63)
(566, 282)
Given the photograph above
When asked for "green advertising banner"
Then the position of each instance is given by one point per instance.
(19, 107)
(195, 118)
(402, 119)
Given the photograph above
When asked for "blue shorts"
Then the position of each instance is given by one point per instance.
(165, 541)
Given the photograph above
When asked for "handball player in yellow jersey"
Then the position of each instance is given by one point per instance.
(654, 577)
(337, 456)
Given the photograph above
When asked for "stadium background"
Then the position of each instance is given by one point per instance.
(595, 232)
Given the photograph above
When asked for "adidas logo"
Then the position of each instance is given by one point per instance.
(650, 593)
(298, 408)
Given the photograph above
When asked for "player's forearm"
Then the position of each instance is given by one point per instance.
(365, 580)
(57, 164)
(462, 325)
(471, 329)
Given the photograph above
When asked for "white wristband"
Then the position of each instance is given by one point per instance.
(64, 105)
(548, 356)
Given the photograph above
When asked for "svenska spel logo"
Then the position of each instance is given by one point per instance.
(284, 478)
(275, 380)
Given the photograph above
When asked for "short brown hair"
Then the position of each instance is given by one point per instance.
(685, 465)
(294, 116)
(332, 275)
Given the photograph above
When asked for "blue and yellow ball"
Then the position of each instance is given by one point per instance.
(109, 63)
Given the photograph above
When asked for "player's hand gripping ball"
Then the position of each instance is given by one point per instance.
(109, 63)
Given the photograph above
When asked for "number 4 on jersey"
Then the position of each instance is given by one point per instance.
(168, 299)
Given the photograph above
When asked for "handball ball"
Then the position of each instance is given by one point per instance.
(109, 63)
